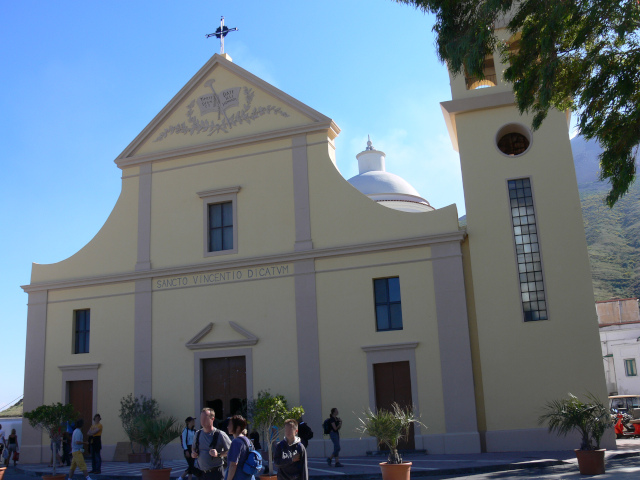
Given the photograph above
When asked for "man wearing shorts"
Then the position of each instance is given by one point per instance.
(77, 451)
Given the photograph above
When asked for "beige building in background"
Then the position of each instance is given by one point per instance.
(238, 259)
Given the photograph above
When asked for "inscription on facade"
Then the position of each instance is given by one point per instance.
(213, 278)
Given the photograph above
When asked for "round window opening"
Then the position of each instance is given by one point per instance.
(513, 140)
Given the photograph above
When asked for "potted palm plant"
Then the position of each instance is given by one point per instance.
(133, 409)
(388, 427)
(591, 419)
(52, 419)
(267, 414)
(155, 434)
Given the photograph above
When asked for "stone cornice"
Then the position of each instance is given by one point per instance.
(81, 366)
(458, 236)
(390, 346)
(218, 191)
(328, 126)
(463, 105)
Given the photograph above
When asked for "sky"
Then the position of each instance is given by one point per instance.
(81, 79)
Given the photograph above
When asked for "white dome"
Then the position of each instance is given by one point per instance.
(383, 187)
(377, 182)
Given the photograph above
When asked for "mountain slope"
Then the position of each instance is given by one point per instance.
(613, 235)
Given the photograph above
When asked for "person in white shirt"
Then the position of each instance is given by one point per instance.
(77, 451)
(186, 440)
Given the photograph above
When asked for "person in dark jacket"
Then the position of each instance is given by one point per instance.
(290, 455)
(304, 432)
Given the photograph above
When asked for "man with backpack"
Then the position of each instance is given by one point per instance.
(304, 432)
(209, 447)
(290, 455)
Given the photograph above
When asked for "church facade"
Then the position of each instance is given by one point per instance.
(237, 259)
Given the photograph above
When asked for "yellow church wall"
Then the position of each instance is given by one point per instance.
(227, 154)
(265, 308)
(341, 215)
(346, 320)
(111, 346)
(473, 336)
(264, 205)
(112, 250)
(507, 384)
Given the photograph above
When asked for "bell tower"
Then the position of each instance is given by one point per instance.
(532, 316)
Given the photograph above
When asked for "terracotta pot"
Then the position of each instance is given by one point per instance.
(591, 462)
(57, 476)
(159, 474)
(144, 457)
(2, 470)
(400, 471)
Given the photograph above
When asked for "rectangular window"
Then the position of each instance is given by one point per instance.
(525, 234)
(630, 367)
(81, 333)
(221, 226)
(387, 303)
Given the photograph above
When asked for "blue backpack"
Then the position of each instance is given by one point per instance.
(253, 464)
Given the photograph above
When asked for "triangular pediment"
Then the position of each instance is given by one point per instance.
(201, 340)
(222, 104)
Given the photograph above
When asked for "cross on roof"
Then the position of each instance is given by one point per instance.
(221, 32)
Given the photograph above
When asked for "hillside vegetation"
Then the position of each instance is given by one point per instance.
(613, 235)
(12, 411)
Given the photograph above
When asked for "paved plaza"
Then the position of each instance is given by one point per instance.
(623, 463)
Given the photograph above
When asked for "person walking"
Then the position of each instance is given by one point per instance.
(186, 440)
(239, 450)
(335, 424)
(290, 455)
(304, 432)
(12, 446)
(77, 450)
(95, 433)
(209, 447)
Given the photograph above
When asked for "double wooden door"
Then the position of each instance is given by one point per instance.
(393, 384)
(224, 386)
(81, 397)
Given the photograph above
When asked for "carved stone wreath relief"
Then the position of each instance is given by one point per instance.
(221, 104)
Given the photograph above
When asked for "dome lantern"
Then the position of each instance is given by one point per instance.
(383, 187)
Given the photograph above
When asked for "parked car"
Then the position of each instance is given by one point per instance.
(625, 404)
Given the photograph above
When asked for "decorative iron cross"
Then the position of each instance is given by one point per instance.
(221, 32)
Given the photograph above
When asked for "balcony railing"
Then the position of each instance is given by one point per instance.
(487, 81)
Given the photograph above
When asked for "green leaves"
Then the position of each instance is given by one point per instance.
(155, 433)
(583, 55)
(52, 419)
(388, 427)
(132, 409)
(268, 413)
(590, 418)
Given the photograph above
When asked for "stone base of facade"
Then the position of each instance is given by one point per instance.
(537, 439)
(522, 440)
